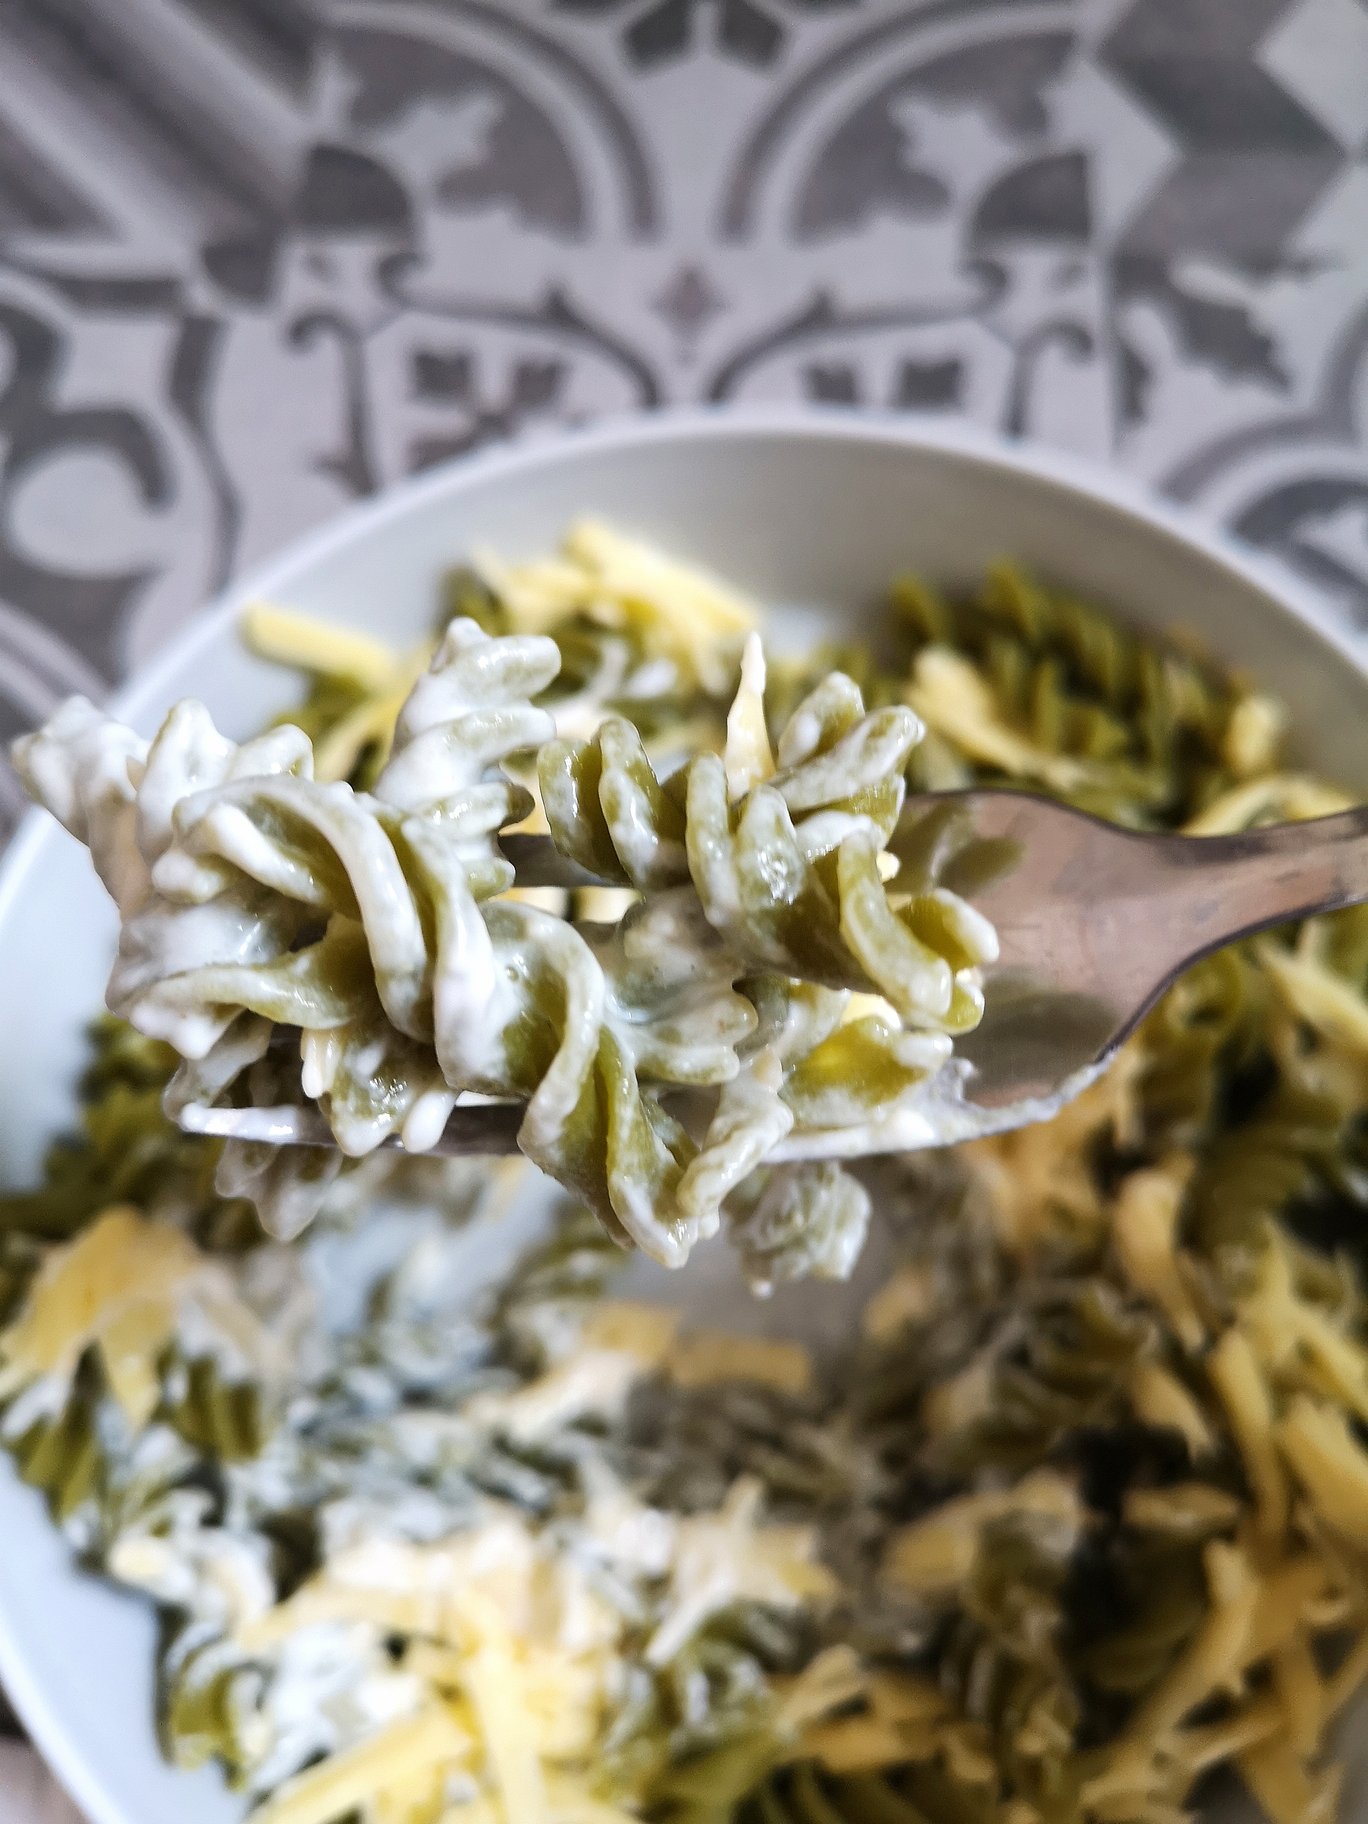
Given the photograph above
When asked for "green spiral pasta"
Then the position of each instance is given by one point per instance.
(227, 1420)
(515, 1001)
(1109, 719)
(206, 1701)
(785, 868)
(807, 1795)
(376, 925)
(785, 864)
(60, 1457)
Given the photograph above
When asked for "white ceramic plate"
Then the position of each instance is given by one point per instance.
(813, 515)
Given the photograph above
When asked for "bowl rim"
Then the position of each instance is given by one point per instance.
(892, 432)
(1065, 470)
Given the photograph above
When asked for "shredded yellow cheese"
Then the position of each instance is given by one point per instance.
(621, 1343)
(833, 1679)
(703, 1358)
(1317, 995)
(604, 905)
(938, 1553)
(1330, 1464)
(1300, 1693)
(370, 724)
(728, 1557)
(1297, 1337)
(1213, 1662)
(505, 1728)
(1160, 1399)
(951, 696)
(1285, 1790)
(903, 1719)
(384, 675)
(1208, 1744)
(1254, 735)
(906, 1299)
(323, 647)
(346, 1781)
(1288, 1596)
(1145, 1226)
(571, 1804)
(118, 1288)
(1182, 1508)
(1039, 1180)
(1240, 1385)
(619, 583)
(1347, 1680)
(1278, 798)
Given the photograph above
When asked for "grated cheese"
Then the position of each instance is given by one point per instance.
(951, 696)
(728, 1557)
(510, 1746)
(1284, 1789)
(1300, 1693)
(370, 724)
(1317, 995)
(619, 1345)
(618, 583)
(1160, 1399)
(299, 641)
(1212, 1662)
(1330, 1464)
(1240, 1385)
(1254, 735)
(706, 1357)
(1145, 1225)
(906, 1299)
(1181, 1508)
(1278, 798)
(938, 1553)
(120, 1287)
(348, 1780)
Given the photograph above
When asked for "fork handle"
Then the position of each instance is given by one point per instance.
(1227, 887)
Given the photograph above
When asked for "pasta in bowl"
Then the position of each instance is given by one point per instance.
(1065, 1520)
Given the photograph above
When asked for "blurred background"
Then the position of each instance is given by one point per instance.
(259, 258)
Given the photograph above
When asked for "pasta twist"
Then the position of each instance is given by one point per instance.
(785, 860)
(282, 901)
(378, 925)
(1063, 693)
(806, 1795)
(510, 1000)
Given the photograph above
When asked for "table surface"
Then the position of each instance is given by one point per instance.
(260, 257)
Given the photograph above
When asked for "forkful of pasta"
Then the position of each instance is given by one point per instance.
(1093, 924)
(759, 962)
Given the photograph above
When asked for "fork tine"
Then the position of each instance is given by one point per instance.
(482, 1131)
(539, 863)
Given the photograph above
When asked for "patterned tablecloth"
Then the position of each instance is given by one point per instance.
(259, 257)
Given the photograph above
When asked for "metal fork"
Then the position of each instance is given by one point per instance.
(1094, 922)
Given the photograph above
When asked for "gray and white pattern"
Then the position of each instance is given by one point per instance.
(260, 257)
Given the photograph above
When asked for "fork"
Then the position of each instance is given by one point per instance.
(1094, 922)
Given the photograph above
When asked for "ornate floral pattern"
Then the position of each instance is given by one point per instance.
(355, 238)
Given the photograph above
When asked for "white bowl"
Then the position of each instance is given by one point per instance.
(814, 515)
